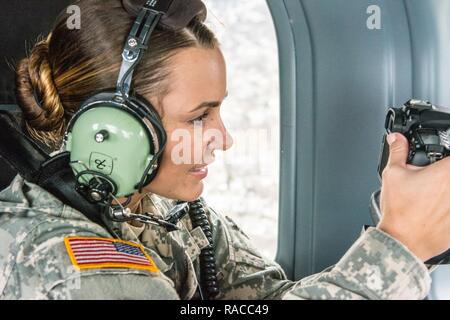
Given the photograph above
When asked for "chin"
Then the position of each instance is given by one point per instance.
(192, 194)
(184, 192)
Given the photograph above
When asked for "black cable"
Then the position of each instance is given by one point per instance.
(208, 271)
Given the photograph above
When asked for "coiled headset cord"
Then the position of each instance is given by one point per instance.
(209, 285)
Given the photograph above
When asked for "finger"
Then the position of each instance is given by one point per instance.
(398, 149)
(413, 167)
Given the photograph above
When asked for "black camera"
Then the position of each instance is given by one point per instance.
(427, 129)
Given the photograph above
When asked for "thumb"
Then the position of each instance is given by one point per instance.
(398, 149)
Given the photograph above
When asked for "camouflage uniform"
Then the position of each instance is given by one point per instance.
(34, 263)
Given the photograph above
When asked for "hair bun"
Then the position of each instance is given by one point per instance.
(37, 95)
(179, 12)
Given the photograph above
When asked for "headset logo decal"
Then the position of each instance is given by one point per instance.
(101, 162)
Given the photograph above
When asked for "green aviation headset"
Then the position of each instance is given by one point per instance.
(116, 139)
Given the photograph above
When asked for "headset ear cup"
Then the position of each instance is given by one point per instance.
(117, 139)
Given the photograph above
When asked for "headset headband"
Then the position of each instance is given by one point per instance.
(178, 13)
(136, 43)
(174, 14)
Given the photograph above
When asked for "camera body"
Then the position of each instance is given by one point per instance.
(427, 129)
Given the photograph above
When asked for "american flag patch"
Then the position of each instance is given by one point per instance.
(91, 253)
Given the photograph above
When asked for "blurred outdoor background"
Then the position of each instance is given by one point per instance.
(243, 182)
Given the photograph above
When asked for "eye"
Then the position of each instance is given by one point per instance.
(201, 118)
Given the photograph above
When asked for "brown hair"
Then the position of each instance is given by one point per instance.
(66, 67)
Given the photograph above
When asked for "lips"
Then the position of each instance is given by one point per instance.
(199, 172)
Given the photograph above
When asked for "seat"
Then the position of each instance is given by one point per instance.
(18, 153)
(14, 43)
(20, 26)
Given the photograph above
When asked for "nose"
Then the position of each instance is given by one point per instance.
(222, 140)
(229, 141)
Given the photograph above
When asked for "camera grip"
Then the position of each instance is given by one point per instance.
(384, 157)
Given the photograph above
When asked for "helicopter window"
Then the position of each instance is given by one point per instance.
(243, 182)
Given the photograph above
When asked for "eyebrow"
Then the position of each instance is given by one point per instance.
(208, 104)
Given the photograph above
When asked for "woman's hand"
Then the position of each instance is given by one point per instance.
(415, 201)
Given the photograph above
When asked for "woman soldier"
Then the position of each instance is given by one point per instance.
(51, 251)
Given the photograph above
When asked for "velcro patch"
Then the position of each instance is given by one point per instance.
(93, 253)
(200, 239)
